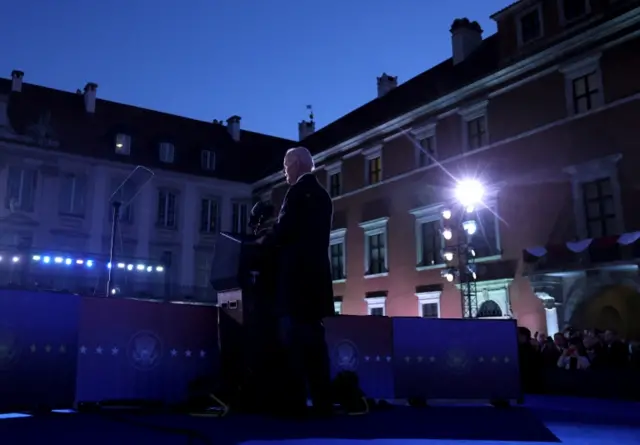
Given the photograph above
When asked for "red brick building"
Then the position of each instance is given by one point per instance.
(545, 113)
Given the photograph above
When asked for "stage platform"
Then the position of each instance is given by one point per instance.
(541, 420)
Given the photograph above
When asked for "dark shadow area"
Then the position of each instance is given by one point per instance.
(444, 423)
(585, 411)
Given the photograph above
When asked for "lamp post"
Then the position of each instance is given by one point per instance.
(460, 226)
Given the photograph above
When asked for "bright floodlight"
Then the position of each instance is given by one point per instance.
(469, 192)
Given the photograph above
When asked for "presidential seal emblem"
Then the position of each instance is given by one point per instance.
(9, 347)
(345, 356)
(457, 360)
(145, 350)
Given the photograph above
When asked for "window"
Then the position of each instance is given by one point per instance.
(334, 179)
(123, 193)
(239, 220)
(585, 89)
(425, 139)
(373, 165)
(476, 133)
(597, 202)
(475, 127)
(21, 189)
(583, 84)
(427, 152)
(430, 310)
(529, 25)
(337, 261)
(429, 304)
(494, 299)
(429, 239)
(208, 160)
(376, 305)
(335, 184)
(167, 152)
(486, 240)
(167, 209)
(337, 305)
(375, 170)
(73, 189)
(337, 255)
(209, 216)
(202, 270)
(571, 10)
(123, 144)
(599, 207)
(375, 254)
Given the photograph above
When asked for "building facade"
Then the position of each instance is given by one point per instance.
(66, 157)
(544, 114)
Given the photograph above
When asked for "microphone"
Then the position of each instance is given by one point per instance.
(260, 213)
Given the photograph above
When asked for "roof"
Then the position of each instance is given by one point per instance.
(93, 134)
(436, 82)
(510, 7)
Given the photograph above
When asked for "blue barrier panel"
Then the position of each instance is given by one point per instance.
(134, 349)
(363, 345)
(38, 344)
(456, 358)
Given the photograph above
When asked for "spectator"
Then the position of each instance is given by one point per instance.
(615, 354)
(574, 357)
(593, 349)
(529, 361)
(552, 350)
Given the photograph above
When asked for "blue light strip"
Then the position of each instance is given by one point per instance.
(89, 263)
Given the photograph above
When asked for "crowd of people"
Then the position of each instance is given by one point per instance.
(574, 351)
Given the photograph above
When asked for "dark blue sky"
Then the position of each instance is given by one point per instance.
(264, 60)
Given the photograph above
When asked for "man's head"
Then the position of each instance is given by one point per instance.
(297, 162)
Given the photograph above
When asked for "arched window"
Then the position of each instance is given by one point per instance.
(489, 309)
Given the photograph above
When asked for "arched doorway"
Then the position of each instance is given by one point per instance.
(488, 309)
(613, 307)
(608, 319)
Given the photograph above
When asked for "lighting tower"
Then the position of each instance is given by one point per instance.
(459, 228)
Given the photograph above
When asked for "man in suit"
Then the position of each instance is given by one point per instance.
(304, 287)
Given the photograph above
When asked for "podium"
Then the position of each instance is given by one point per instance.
(243, 272)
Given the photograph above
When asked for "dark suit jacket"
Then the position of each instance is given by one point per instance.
(301, 234)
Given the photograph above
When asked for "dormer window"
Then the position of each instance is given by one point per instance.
(167, 152)
(571, 10)
(123, 144)
(208, 160)
(529, 25)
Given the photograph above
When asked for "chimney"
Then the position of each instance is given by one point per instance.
(386, 83)
(466, 36)
(90, 97)
(16, 80)
(233, 127)
(306, 129)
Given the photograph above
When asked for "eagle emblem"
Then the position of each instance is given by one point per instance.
(457, 360)
(145, 350)
(9, 347)
(345, 355)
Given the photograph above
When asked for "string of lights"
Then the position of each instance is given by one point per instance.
(69, 261)
(460, 225)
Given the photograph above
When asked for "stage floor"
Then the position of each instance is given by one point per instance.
(541, 420)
